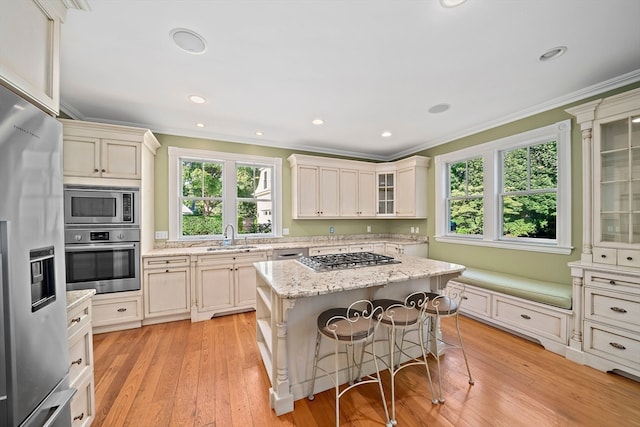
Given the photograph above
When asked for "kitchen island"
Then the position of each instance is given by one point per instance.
(290, 296)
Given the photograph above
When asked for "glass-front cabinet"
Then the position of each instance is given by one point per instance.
(386, 193)
(618, 179)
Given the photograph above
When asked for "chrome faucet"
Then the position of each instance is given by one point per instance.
(233, 234)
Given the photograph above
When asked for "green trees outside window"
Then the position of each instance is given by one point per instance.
(527, 198)
(202, 201)
(529, 191)
(465, 203)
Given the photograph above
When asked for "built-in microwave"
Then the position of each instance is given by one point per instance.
(118, 206)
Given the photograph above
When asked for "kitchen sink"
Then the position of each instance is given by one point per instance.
(230, 248)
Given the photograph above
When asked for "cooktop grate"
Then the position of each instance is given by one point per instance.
(331, 262)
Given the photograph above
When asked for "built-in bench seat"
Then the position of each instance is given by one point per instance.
(535, 309)
(556, 294)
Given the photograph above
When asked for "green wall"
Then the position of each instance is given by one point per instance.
(531, 264)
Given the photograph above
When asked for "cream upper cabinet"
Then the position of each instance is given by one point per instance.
(101, 158)
(30, 48)
(95, 150)
(611, 179)
(324, 187)
(315, 191)
(357, 193)
(411, 188)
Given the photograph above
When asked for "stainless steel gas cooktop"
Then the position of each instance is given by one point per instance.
(349, 260)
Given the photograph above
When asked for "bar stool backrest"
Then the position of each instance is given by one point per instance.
(354, 324)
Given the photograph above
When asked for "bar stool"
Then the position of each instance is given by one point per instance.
(404, 317)
(355, 325)
(440, 306)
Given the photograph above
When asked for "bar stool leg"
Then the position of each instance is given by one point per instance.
(464, 353)
(315, 366)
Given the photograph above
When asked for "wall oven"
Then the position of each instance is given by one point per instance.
(107, 260)
(116, 206)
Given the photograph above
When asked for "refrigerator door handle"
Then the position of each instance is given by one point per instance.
(59, 402)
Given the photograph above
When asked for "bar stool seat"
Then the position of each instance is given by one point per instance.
(441, 306)
(348, 327)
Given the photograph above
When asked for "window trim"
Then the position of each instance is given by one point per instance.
(490, 152)
(230, 160)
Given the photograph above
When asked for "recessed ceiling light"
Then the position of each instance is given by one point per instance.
(188, 40)
(317, 122)
(385, 134)
(200, 125)
(451, 3)
(439, 108)
(197, 99)
(553, 53)
(259, 133)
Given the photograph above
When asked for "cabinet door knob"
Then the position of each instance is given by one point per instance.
(78, 417)
(167, 270)
(96, 170)
(612, 282)
(629, 258)
(75, 320)
(122, 310)
(618, 309)
(104, 170)
(77, 362)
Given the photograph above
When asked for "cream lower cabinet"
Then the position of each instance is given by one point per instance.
(79, 331)
(167, 289)
(117, 311)
(225, 284)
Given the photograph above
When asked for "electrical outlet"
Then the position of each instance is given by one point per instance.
(417, 229)
(413, 230)
(331, 230)
(162, 235)
(285, 231)
(368, 229)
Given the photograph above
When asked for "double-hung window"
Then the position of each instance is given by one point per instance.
(513, 193)
(210, 191)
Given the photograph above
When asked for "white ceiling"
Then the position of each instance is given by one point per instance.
(364, 66)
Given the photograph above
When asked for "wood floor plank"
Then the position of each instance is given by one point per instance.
(210, 374)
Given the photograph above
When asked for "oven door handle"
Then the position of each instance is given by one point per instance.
(86, 248)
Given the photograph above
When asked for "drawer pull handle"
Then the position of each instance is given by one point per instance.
(612, 282)
(122, 310)
(603, 256)
(167, 270)
(618, 309)
(618, 346)
(525, 316)
(629, 258)
(75, 320)
(77, 362)
(78, 417)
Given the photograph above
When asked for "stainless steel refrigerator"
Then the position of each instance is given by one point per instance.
(34, 359)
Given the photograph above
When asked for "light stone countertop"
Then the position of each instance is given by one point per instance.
(200, 248)
(290, 279)
(75, 298)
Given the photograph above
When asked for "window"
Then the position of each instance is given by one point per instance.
(514, 192)
(210, 190)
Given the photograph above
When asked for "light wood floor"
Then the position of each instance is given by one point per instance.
(210, 374)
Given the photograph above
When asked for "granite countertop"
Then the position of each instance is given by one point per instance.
(261, 247)
(75, 298)
(291, 280)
